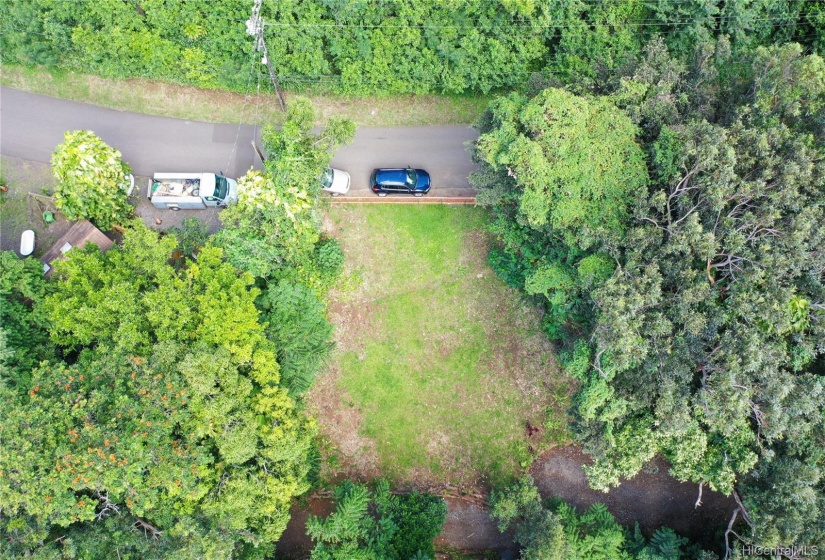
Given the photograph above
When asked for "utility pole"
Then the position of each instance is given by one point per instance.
(258, 151)
(255, 27)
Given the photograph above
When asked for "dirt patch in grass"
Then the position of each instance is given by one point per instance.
(438, 363)
(351, 454)
(18, 212)
(187, 102)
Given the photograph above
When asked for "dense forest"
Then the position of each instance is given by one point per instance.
(672, 226)
(368, 48)
(655, 177)
(151, 394)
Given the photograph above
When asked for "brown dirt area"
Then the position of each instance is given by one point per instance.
(652, 498)
(351, 455)
(19, 212)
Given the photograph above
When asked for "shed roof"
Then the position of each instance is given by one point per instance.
(78, 235)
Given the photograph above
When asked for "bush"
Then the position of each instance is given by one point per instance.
(92, 180)
(297, 324)
(403, 527)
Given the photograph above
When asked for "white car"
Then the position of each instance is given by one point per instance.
(335, 181)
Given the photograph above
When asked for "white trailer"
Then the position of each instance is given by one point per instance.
(191, 191)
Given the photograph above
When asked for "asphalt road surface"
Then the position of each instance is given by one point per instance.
(32, 125)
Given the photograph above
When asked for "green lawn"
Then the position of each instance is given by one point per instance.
(439, 365)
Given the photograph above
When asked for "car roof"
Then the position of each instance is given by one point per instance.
(392, 176)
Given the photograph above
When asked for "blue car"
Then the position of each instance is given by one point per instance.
(404, 180)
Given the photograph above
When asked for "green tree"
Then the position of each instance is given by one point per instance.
(23, 327)
(297, 325)
(712, 307)
(561, 173)
(274, 229)
(191, 236)
(597, 41)
(368, 48)
(92, 180)
(700, 337)
(784, 494)
(402, 528)
(560, 532)
(170, 429)
(789, 87)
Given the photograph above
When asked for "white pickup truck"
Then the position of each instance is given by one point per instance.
(191, 191)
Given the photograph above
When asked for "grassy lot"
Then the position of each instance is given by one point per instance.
(186, 102)
(439, 366)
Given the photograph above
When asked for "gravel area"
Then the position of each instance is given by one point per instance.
(20, 212)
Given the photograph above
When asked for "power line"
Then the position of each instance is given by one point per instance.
(495, 25)
(246, 106)
(513, 21)
(255, 26)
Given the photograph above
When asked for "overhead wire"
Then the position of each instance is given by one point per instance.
(334, 78)
(577, 25)
(516, 21)
(238, 130)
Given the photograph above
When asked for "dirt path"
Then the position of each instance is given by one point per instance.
(653, 499)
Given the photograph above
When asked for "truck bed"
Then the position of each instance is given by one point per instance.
(176, 187)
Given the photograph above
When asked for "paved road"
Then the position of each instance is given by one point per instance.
(32, 125)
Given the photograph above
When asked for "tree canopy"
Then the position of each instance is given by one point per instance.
(92, 180)
(402, 527)
(560, 532)
(367, 48)
(274, 229)
(170, 422)
(562, 173)
(274, 233)
(24, 341)
(695, 322)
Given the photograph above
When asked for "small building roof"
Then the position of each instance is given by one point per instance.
(78, 235)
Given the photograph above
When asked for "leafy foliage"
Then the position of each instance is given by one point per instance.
(92, 180)
(402, 528)
(170, 429)
(367, 48)
(274, 233)
(561, 173)
(560, 532)
(192, 235)
(297, 324)
(23, 338)
(274, 230)
(699, 335)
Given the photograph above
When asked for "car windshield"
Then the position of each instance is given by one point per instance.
(221, 187)
(326, 178)
(410, 177)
